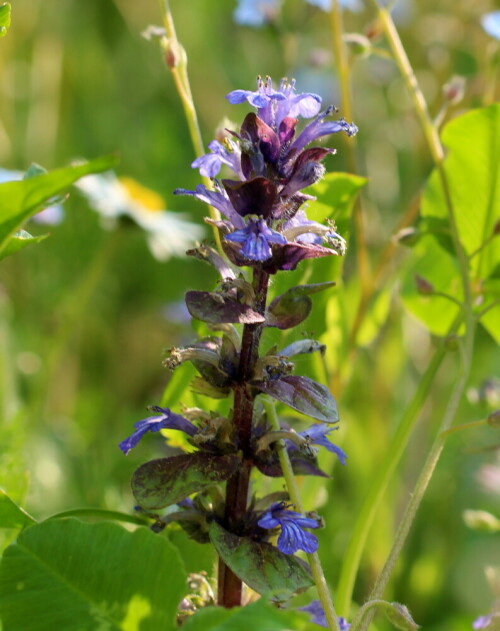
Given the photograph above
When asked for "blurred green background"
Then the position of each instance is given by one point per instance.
(83, 318)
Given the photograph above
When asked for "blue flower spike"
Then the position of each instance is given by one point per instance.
(293, 537)
(165, 419)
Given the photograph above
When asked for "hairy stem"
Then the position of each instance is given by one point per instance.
(229, 585)
(293, 491)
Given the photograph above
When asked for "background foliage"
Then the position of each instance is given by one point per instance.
(85, 315)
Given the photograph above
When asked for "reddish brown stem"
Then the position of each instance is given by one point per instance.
(229, 585)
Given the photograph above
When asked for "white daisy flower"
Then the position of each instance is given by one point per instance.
(168, 234)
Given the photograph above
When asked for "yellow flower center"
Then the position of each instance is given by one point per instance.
(142, 195)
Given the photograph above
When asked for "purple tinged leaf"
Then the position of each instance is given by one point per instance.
(304, 395)
(166, 481)
(260, 565)
(293, 307)
(216, 309)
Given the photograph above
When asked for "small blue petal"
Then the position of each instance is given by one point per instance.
(491, 24)
(315, 610)
(255, 12)
(166, 420)
(292, 537)
(256, 238)
(352, 5)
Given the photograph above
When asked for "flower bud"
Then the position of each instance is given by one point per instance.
(454, 90)
(481, 520)
(424, 287)
(408, 236)
(494, 419)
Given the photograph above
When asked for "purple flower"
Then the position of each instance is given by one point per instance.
(315, 609)
(491, 24)
(317, 435)
(353, 5)
(483, 622)
(275, 105)
(210, 164)
(166, 419)
(319, 127)
(292, 537)
(255, 12)
(256, 239)
(218, 199)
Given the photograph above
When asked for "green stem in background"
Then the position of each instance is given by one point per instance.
(427, 470)
(293, 491)
(71, 313)
(437, 152)
(343, 74)
(176, 60)
(395, 450)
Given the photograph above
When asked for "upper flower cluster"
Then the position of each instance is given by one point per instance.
(263, 220)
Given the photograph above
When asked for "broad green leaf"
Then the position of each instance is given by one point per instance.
(20, 240)
(21, 199)
(64, 574)
(103, 514)
(261, 616)
(166, 481)
(4, 18)
(335, 194)
(12, 515)
(433, 263)
(472, 167)
(260, 565)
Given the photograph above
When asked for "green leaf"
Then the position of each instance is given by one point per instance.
(260, 565)
(19, 200)
(4, 18)
(20, 240)
(432, 262)
(335, 194)
(64, 574)
(166, 481)
(293, 307)
(12, 515)
(261, 616)
(472, 166)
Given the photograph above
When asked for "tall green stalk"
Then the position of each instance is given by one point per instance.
(373, 500)
(293, 490)
(437, 152)
(176, 60)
